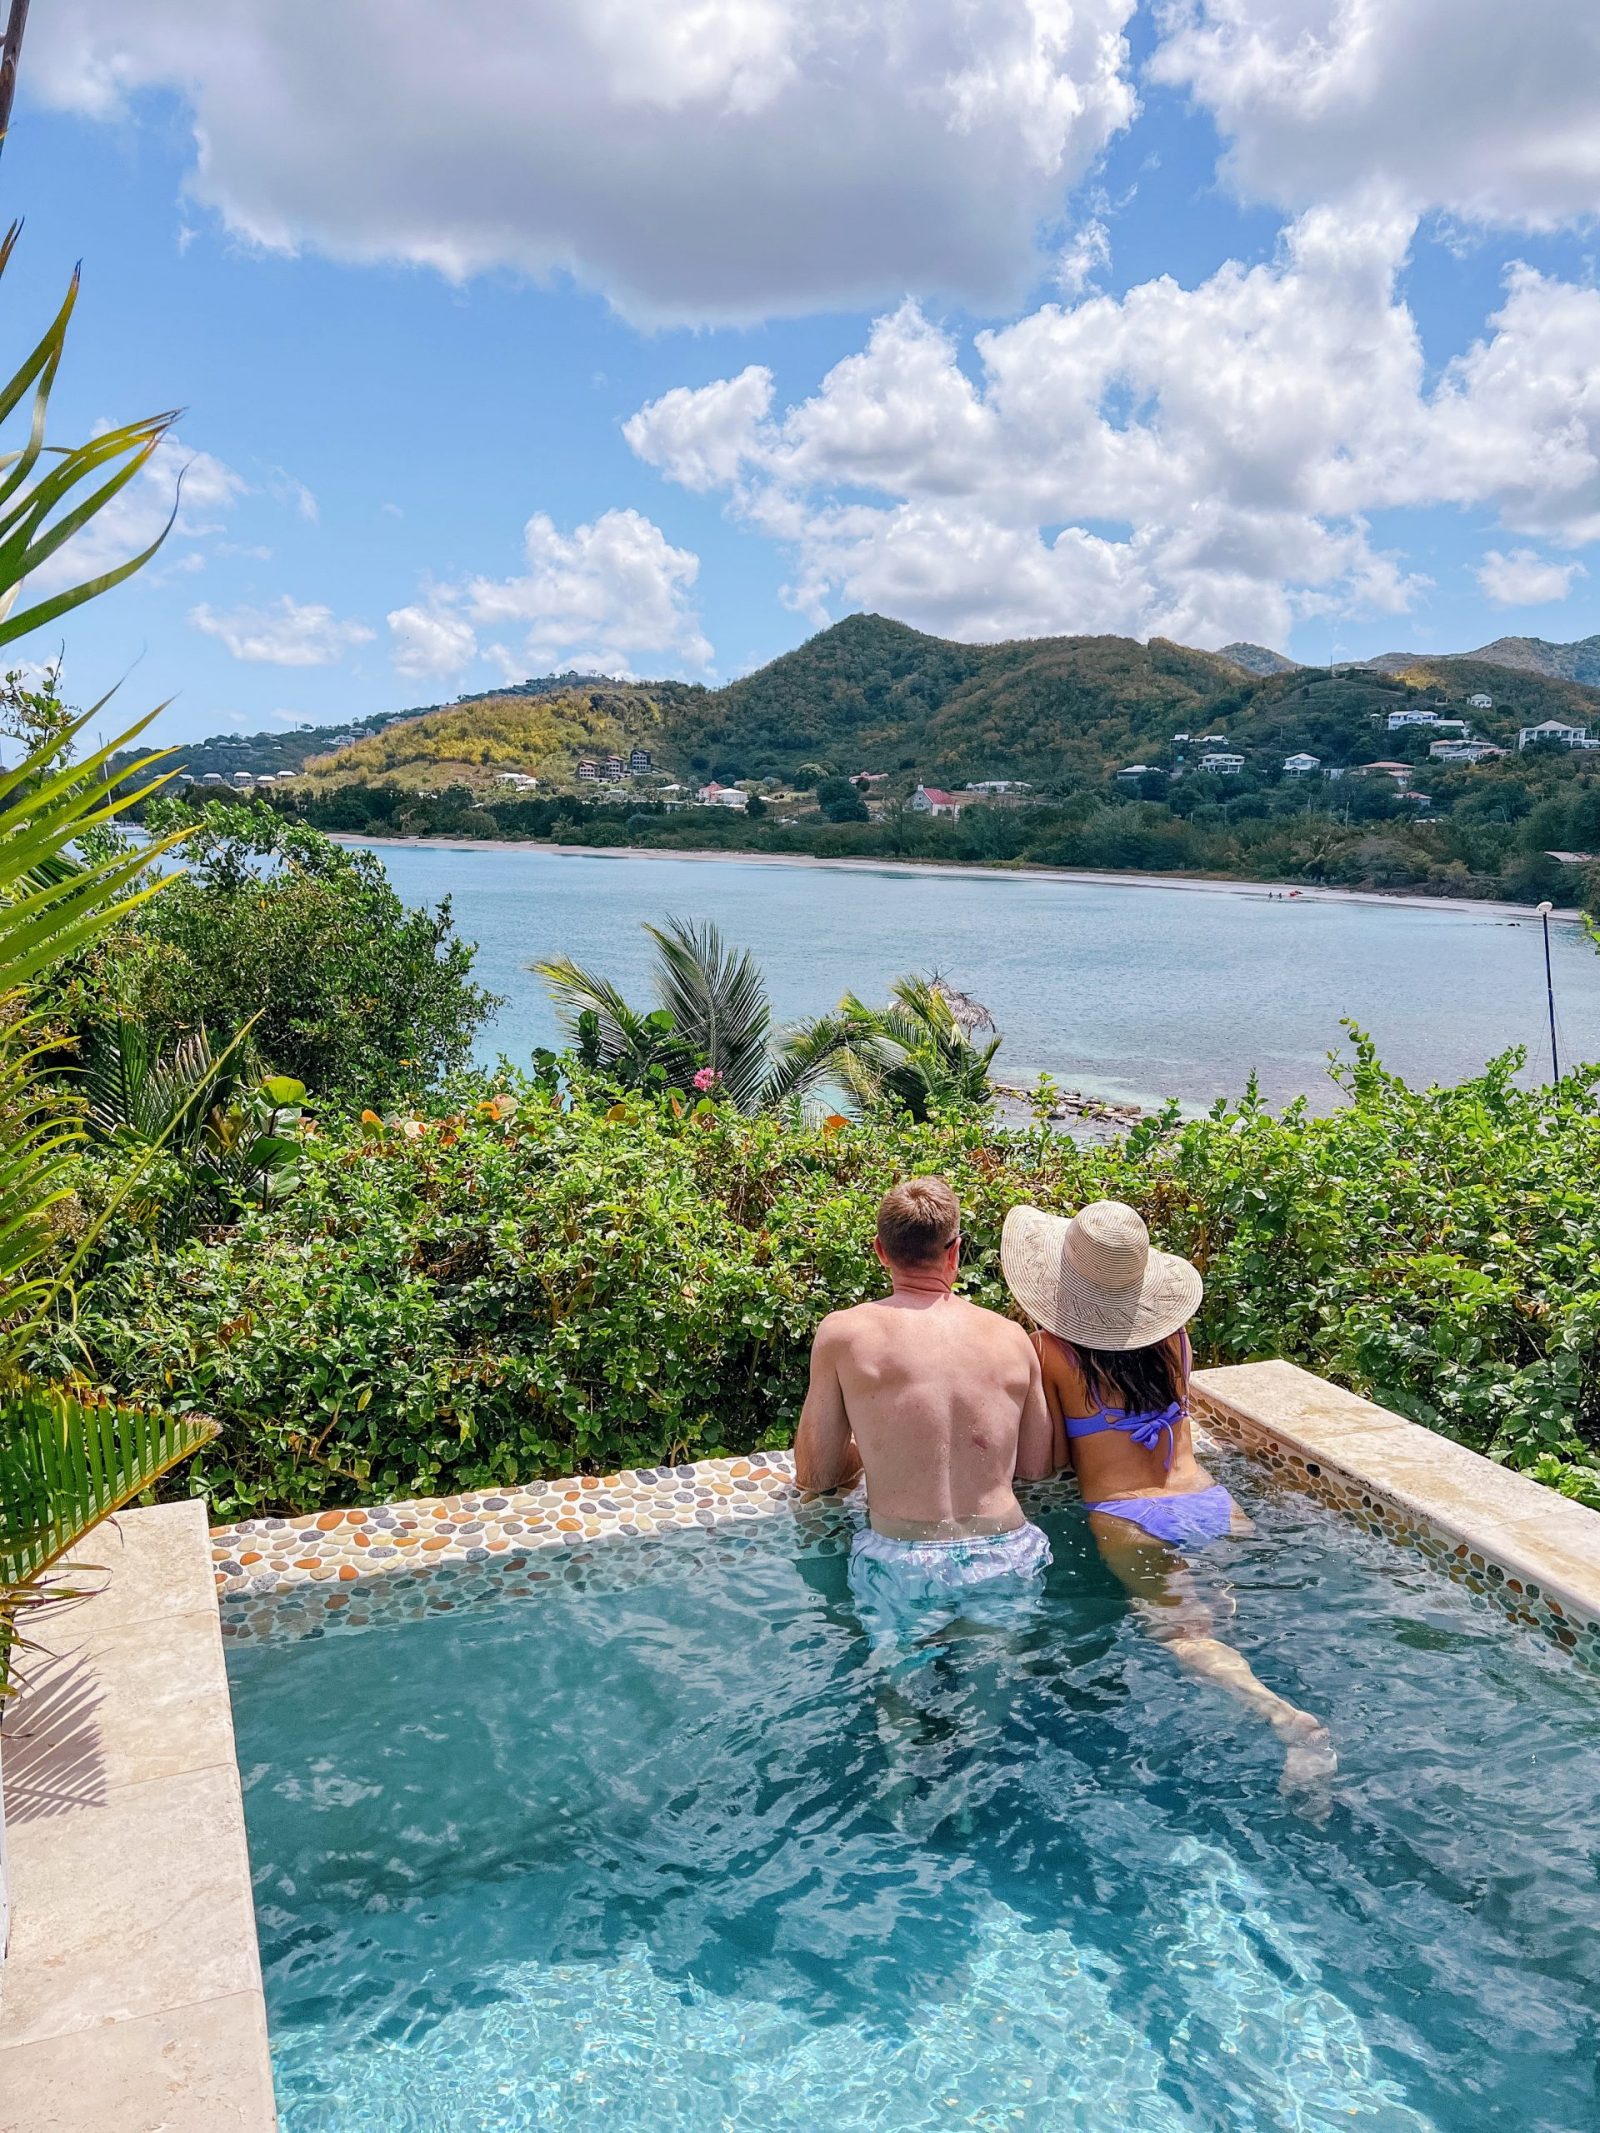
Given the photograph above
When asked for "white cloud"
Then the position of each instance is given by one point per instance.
(1200, 463)
(430, 642)
(693, 158)
(1475, 106)
(1524, 578)
(286, 634)
(288, 490)
(613, 596)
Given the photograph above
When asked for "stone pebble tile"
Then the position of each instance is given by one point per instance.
(358, 1569)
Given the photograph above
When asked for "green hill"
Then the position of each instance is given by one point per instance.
(872, 694)
(1578, 661)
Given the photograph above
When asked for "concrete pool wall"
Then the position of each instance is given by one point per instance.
(131, 2002)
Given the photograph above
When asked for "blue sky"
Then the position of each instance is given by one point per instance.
(656, 336)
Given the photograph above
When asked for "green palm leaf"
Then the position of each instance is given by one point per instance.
(67, 1461)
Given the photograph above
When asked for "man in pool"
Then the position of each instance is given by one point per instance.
(940, 1404)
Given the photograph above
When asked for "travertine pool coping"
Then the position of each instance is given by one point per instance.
(1532, 1552)
(130, 2001)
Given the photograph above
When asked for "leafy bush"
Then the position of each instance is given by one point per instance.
(349, 991)
(522, 1286)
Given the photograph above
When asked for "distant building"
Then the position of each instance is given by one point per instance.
(241, 781)
(517, 778)
(931, 800)
(1400, 772)
(638, 762)
(613, 767)
(715, 795)
(1133, 772)
(1417, 799)
(1555, 729)
(1334, 770)
(588, 771)
(1000, 785)
(869, 777)
(1299, 766)
(1462, 751)
(213, 777)
(1480, 702)
(1212, 740)
(1222, 762)
(1397, 719)
(1575, 859)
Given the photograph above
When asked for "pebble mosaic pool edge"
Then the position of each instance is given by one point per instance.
(281, 1577)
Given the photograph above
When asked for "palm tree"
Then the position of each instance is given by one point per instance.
(918, 1052)
(65, 1461)
(712, 1019)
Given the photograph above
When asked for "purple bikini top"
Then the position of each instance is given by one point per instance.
(1146, 1431)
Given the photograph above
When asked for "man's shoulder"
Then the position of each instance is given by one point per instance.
(839, 1325)
(994, 1325)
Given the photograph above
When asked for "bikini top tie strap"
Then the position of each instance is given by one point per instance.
(1147, 1431)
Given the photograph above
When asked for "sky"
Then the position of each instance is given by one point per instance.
(652, 336)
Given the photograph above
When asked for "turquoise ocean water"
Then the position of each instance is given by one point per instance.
(1138, 992)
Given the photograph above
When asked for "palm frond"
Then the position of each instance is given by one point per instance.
(717, 999)
(69, 1460)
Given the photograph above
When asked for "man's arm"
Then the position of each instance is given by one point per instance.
(825, 1455)
(1036, 1435)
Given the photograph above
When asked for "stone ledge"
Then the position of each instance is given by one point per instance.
(131, 1999)
(1534, 1551)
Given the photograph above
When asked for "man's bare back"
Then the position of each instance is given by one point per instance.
(935, 1393)
(938, 1401)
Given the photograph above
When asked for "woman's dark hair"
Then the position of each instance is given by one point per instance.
(1141, 1381)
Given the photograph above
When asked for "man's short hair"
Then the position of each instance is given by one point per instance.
(918, 1222)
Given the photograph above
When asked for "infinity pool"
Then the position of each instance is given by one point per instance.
(663, 1849)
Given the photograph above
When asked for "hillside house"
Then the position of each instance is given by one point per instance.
(614, 767)
(1480, 702)
(715, 795)
(1222, 762)
(869, 777)
(1462, 751)
(588, 771)
(1558, 730)
(1401, 773)
(932, 800)
(1412, 716)
(1132, 773)
(1301, 766)
(1000, 786)
(639, 763)
(518, 780)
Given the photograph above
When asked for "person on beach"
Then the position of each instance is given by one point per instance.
(1110, 1316)
(940, 1405)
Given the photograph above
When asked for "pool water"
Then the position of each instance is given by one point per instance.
(665, 1848)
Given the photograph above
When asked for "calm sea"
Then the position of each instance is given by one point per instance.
(1124, 991)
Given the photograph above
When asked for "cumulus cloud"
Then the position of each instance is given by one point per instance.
(428, 643)
(1524, 578)
(613, 596)
(286, 634)
(1473, 106)
(1201, 463)
(693, 158)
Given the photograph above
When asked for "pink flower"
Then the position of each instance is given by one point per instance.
(707, 1078)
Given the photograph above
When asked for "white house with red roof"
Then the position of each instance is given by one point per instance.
(933, 800)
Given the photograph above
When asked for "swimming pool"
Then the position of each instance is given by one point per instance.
(660, 1847)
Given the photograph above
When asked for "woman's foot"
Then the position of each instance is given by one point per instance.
(1309, 1761)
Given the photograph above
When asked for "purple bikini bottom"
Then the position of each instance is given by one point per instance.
(1181, 1521)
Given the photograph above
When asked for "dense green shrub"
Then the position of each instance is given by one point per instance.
(355, 993)
(518, 1288)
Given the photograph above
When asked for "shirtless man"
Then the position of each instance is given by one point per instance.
(940, 1404)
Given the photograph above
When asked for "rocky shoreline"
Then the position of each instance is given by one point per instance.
(1069, 1105)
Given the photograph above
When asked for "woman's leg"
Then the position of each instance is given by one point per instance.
(1162, 1588)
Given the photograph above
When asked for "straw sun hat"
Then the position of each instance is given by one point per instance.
(1093, 1278)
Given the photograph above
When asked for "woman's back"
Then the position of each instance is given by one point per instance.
(1122, 1442)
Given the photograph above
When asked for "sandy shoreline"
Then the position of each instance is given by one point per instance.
(1193, 884)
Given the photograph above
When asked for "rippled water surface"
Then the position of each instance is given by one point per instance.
(663, 1849)
(1127, 991)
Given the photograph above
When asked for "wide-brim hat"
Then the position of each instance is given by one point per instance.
(1093, 1278)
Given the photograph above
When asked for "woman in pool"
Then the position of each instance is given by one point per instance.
(1110, 1315)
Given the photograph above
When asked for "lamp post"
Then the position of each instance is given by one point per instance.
(1545, 910)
